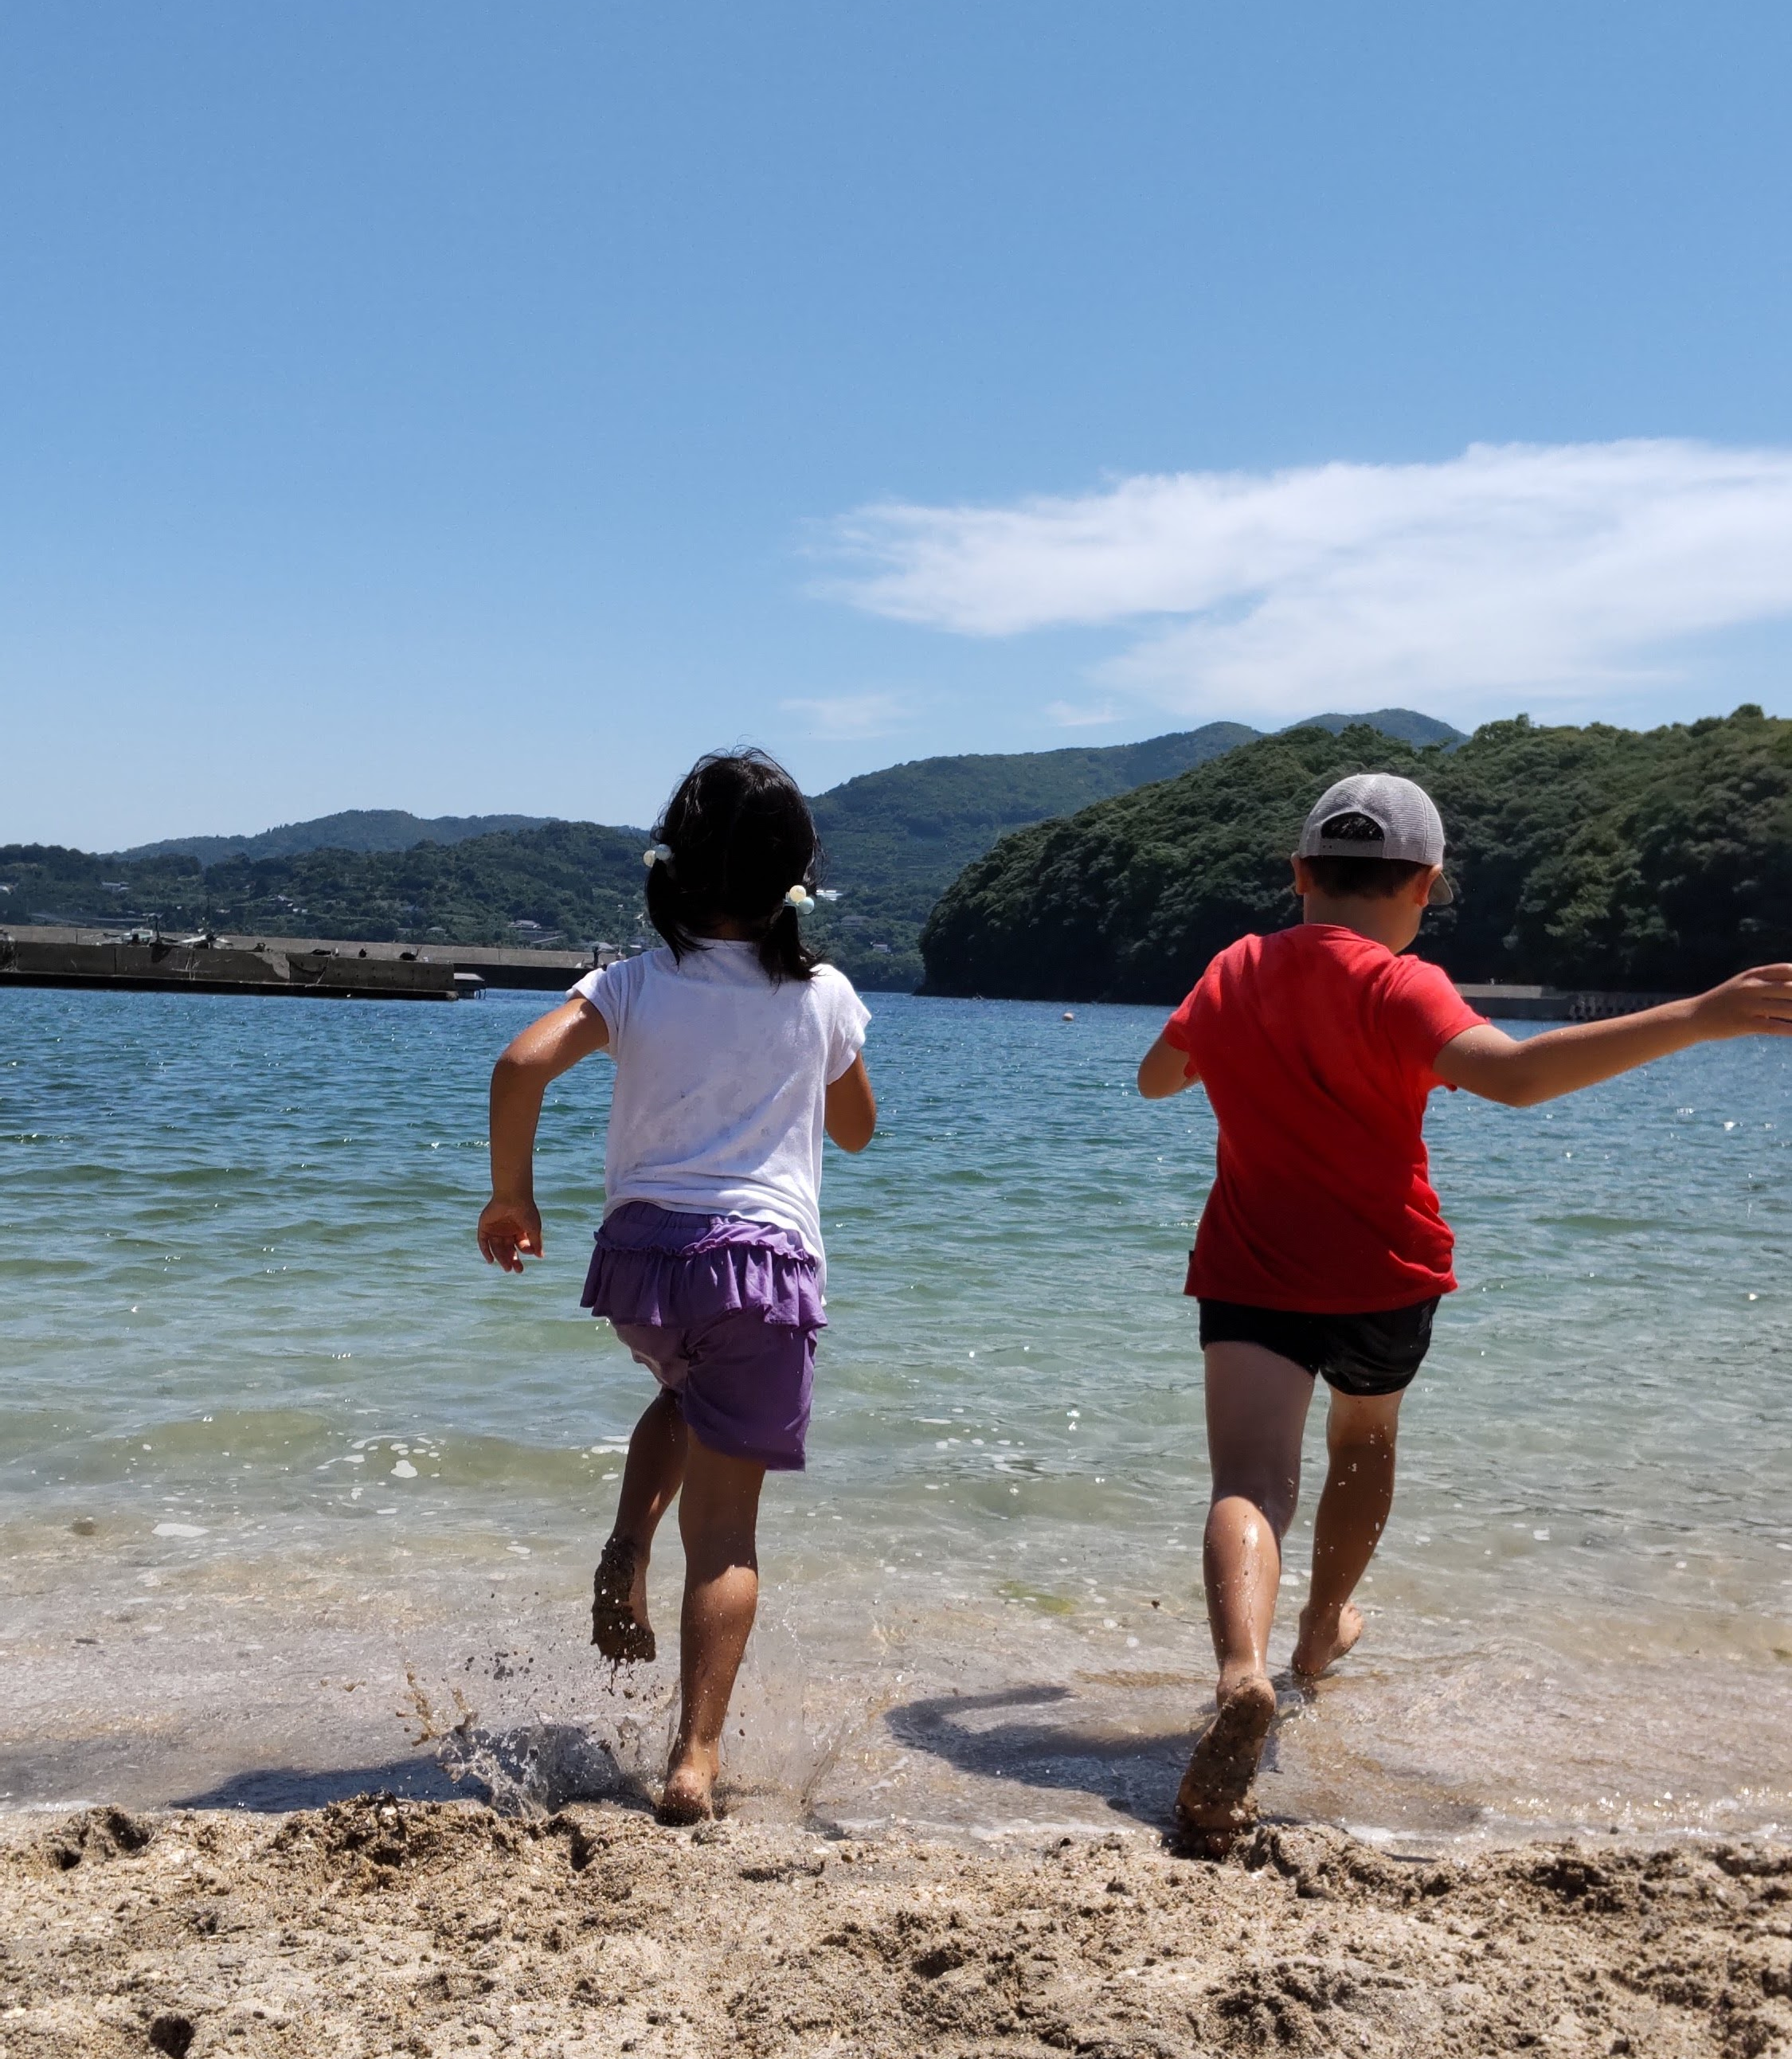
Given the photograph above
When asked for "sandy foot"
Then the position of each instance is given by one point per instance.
(689, 1794)
(619, 1626)
(1214, 1803)
(1320, 1645)
(377, 1930)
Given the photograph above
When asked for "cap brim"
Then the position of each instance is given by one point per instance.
(1442, 892)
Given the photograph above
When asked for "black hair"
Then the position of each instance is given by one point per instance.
(741, 836)
(1369, 879)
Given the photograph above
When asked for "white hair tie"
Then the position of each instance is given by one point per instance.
(660, 855)
(800, 898)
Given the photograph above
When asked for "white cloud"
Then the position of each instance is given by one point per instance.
(848, 717)
(1570, 568)
(1067, 715)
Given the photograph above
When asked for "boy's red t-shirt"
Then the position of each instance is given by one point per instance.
(1315, 1046)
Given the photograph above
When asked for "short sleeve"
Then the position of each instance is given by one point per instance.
(847, 1019)
(609, 990)
(1421, 1011)
(1178, 1032)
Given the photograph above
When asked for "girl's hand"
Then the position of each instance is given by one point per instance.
(509, 1231)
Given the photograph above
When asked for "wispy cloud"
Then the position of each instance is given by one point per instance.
(846, 718)
(1563, 569)
(1068, 714)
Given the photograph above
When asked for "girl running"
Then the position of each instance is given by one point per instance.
(735, 1048)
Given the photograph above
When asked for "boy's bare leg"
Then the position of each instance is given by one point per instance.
(1256, 1410)
(1360, 1433)
(652, 1476)
(717, 1520)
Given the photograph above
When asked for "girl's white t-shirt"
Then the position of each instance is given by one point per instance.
(721, 1078)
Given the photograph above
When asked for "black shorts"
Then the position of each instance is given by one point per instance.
(1377, 1354)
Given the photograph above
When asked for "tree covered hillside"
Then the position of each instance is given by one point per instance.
(355, 829)
(896, 839)
(568, 881)
(1598, 857)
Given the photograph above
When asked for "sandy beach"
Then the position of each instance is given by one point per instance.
(376, 1927)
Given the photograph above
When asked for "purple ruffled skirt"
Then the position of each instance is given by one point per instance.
(723, 1313)
(674, 1271)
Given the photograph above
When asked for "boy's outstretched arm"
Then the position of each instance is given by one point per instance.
(509, 1224)
(1164, 1071)
(1488, 1062)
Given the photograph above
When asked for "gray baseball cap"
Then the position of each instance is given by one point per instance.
(1404, 813)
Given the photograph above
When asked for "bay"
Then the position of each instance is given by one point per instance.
(297, 1495)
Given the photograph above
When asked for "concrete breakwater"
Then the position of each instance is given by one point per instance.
(158, 966)
(1557, 1004)
(46, 956)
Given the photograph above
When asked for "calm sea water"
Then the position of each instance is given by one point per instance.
(291, 1485)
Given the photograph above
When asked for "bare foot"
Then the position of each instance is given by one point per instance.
(1324, 1639)
(1215, 1802)
(619, 1626)
(689, 1794)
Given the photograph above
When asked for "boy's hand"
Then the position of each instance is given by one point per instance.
(509, 1231)
(1756, 1003)
(1487, 1062)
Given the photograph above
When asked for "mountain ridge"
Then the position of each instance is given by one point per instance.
(893, 840)
(349, 829)
(398, 829)
(1656, 860)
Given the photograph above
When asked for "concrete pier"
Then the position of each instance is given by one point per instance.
(43, 955)
(162, 967)
(1556, 1003)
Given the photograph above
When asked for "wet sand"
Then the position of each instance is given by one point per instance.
(376, 1927)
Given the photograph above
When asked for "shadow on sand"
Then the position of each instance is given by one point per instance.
(1135, 1773)
(274, 1790)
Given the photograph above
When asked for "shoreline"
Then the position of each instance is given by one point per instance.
(376, 1927)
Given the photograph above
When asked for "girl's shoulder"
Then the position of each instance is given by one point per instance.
(832, 989)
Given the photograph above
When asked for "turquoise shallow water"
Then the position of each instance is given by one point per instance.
(290, 1484)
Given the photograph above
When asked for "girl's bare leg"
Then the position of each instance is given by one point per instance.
(717, 1520)
(652, 1476)
(1257, 1410)
(1360, 1433)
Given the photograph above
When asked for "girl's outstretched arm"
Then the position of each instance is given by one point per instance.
(1164, 1071)
(1488, 1062)
(850, 1111)
(510, 1224)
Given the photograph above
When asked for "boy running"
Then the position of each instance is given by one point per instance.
(1322, 1251)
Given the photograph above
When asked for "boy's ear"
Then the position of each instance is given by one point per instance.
(1303, 879)
(1419, 889)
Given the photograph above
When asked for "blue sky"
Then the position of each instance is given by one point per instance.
(470, 408)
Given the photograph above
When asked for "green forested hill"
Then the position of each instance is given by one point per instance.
(1600, 856)
(574, 882)
(355, 829)
(894, 839)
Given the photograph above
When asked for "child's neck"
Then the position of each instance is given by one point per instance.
(1384, 921)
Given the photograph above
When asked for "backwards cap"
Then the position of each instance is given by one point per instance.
(1411, 827)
